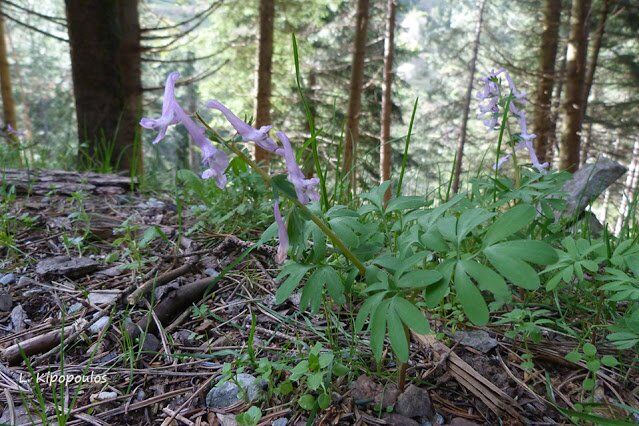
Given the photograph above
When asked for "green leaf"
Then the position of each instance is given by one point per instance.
(282, 184)
(324, 401)
(314, 381)
(469, 220)
(470, 297)
(573, 356)
(593, 365)
(537, 252)
(609, 361)
(299, 370)
(397, 335)
(411, 316)
(378, 329)
(369, 306)
(589, 384)
(307, 402)
(325, 359)
(517, 271)
(589, 349)
(150, 234)
(487, 279)
(295, 272)
(376, 195)
(419, 279)
(405, 202)
(509, 223)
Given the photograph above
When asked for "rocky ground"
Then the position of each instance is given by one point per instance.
(88, 290)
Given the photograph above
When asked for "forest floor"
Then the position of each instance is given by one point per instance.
(83, 269)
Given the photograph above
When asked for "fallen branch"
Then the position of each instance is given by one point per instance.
(38, 344)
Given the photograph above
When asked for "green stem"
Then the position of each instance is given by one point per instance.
(319, 222)
(499, 141)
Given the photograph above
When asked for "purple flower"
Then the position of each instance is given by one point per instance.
(304, 188)
(172, 113)
(247, 132)
(282, 235)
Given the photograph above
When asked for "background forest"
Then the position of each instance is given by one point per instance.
(439, 49)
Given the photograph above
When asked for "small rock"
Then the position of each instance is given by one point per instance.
(414, 402)
(211, 272)
(103, 297)
(399, 420)
(101, 396)
(99, 325)
(18, 319)
(282, 421)
(6, 301)
(151, 343)
(111, 272)
(66, 266)
(364, 390)
(228, 393)
(460, 421)
(8, 279)
(74, 308)
(477, 339)
(25, 282)
(295, 298)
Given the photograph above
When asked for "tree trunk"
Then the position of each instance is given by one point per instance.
(105, 60)
(547, 58)
(264, 71)
(8, 105)
(469, 94)
(575, 74)
(592, 66)
(351, 137)
(553, 144)
(385, 152)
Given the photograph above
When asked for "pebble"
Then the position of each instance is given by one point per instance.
(99, 325)
(228, 393)
(414, 402)
(6, 301)
(8, 279)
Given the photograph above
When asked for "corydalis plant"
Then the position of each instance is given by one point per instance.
(217, 160)
(491, 97)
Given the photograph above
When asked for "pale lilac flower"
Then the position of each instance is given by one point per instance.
(282, 234)
(172, 113)
(489, 96)
(306, 189)
(247, 132)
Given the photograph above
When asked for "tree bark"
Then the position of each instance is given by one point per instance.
(105, 60)
(351, 138)
(264, 71)
(590, 71)
(575, 75)
(547, 58)
(8, 104)
(385, 152)
(553, 144)
(469, 94)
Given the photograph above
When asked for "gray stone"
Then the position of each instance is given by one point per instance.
(66, 266)
(6, 301)
(99, 325)
(399, 420)
(477, 339)
(103, 297)
(282, 421)
(589, 182)
(414, 402)
(8, 279)
(18, 319)
(151, 343)
(211, 272)
(228, 393)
